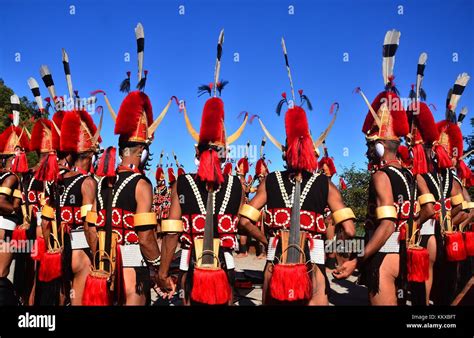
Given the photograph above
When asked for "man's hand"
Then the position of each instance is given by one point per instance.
(346, 269)
(166, 285)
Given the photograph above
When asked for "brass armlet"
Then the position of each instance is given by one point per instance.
(386, 211)
(17, 194)
(91, 217)
(426, 198)
(250, 212)
(144, 218)
(85, 209)
(342, 215)
(5, 191)
(458, 199)
(47, 212)
(172, 225)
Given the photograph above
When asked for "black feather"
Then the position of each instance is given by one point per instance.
(422, 94)
(202, 89)
(412, 95)
(221, 86)
(219, 51)
(125, 86)
(304, 98)
(280, 105)
(141, 84)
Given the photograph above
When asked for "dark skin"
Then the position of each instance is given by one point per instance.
(7, 207)
(384, 196)
(144, 198)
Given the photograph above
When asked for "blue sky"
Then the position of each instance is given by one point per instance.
(180, 55)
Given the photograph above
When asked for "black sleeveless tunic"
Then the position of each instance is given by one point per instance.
(193, 213)
(123, 204)
(70, 200)
(277, 213)
(401, 180)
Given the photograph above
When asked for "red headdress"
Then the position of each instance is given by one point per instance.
(80, 133)
(386, 119)
(171, 175)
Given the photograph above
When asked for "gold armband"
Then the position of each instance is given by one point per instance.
(458, 199)
(47, 212)
(144, 218)
(17, 194)
(426, 198)
(250, 212)
(172, 225)
(5, 191)
(91, 217)
(386, 211)
(342, 215)
(85, 209)
(470, 205)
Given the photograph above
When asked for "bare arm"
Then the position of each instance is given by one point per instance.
(258, 201)
(458, 216)
(7, 207)
(170, 240)
(146, 237)
(335, 203)
(386, 227)
(169, 244)
(427, 209)
(88, 190)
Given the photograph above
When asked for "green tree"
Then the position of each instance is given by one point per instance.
(26, 112)
(356, 194)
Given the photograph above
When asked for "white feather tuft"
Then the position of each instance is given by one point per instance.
(44, 70)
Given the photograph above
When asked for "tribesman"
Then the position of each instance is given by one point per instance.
(295, 200)
(454, 209)
(13, 144)
(41, 183)
(204, 209)
(75, 196)
(44, 140)
(392, 201)
(127, 246)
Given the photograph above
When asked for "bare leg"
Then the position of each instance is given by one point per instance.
(80, 268)
(130, 281)
(267, 274)
(388, 272)
(432, 253)
(6, 256)
(243, 251)
(319, 296)
(186, 298)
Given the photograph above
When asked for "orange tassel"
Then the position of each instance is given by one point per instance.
(469, 243)
(418, 261)
(40, 249)
(290, 282)
(51, 266)
(19, 237)
(455, 250)
(96, 290)
(210, 286)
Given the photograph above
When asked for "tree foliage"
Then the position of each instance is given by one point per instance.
(356, 194)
